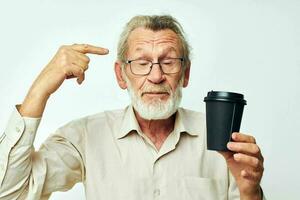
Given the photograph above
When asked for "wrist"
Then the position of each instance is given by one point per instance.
(256, 195)
(33, 104)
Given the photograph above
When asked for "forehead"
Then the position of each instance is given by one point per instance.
(142, 38)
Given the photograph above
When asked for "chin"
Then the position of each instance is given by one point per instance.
(155, 109)
(154, 100)
(156, 116)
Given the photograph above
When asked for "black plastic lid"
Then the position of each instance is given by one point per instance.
(225, 96)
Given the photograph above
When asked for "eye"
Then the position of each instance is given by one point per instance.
(142, 62)
(167, 61)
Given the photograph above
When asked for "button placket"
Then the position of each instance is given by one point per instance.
(158, 181)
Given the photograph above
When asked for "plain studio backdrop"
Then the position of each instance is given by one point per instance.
(247, 46)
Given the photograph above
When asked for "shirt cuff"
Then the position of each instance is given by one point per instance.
(19, 126)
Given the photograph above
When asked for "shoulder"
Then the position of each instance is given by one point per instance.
(91, 123)
(98, 118)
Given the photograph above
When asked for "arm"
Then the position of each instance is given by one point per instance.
(30, 174)
(24, 172)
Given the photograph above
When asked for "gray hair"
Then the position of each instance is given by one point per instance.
(155, 23)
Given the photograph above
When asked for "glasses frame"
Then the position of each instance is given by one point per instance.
(153, 63)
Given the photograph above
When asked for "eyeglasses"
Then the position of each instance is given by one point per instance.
(143, 67)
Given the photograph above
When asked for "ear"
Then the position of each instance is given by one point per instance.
(118, 72)
(186, 75)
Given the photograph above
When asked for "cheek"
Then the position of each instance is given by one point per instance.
(174, 83)
(137, 82)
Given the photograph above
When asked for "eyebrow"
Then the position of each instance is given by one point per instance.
(168, 49)
(165, 51)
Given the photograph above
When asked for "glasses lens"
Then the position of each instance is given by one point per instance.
(171, 65)
(140, 66)
(168, 66)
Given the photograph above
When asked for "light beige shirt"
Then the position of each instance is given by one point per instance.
(113, 158)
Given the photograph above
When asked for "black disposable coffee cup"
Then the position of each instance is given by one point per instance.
(224, 112)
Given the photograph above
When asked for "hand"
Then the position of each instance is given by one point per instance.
(246, 164)
(69, 62)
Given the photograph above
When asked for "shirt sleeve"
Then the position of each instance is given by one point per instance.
(29, 174)
(233, 191)
(17, 127)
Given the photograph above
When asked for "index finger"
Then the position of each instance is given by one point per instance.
(87, 48)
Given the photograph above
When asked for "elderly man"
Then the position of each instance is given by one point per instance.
(152, 149)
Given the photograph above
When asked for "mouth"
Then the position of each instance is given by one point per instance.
(155, 94)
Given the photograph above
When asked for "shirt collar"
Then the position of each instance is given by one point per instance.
(190, 122)
(186, 121)
(129, 123)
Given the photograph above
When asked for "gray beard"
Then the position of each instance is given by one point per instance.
(157, 108)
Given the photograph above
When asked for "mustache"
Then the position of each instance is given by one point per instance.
(155, 89)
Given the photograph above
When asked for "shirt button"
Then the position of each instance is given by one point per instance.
(156, 192)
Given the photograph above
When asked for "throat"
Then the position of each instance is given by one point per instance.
(157, 138)
(156, 130)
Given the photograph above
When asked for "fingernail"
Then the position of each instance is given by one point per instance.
(236, 156)
(234, 135)
(229, 145)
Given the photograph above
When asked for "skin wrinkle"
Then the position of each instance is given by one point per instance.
(153, 42)
(154, 45)
(166, 53)
(153, 48)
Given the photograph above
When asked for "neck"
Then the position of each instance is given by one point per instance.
(156, 130)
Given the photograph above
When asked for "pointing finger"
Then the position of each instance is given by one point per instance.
(87, 48)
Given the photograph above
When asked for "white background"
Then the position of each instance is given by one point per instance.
(247, 46)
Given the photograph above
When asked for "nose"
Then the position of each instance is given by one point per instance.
(156, 75)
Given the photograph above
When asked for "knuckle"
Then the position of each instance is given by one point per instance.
(85, 46)
(67, 72)
(62, 48)
(253, 139)
(63, 51)
(255, 162)
(64, 60)
(87, 59)
(255, 149)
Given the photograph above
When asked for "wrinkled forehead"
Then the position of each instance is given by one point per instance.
(142, 39)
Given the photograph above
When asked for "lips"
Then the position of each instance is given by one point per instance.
(155, 93)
